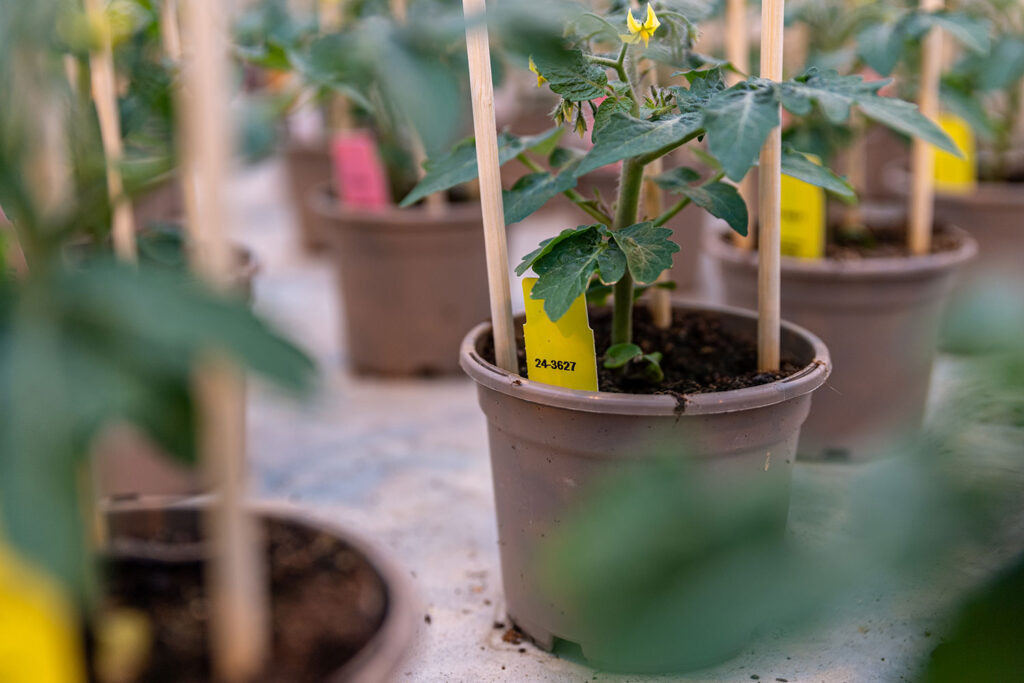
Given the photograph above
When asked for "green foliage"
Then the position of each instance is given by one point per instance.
(738, 121)
(637, 364)
(573, 77)
(721, 200)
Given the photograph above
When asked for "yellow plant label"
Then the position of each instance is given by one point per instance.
(802, 231)
(953, 175)
(39, 640)
(560, 353)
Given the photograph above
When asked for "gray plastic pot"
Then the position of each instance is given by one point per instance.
(307, 166)
(880, 319)
(991, 214)
(410, 283)
(133, 527)
(548, 444)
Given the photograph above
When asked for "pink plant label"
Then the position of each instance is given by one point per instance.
(362, 182)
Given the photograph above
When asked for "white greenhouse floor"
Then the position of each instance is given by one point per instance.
(405, 464)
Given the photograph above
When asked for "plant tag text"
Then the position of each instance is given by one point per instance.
(952, 175)
(560, 353)
(803, 218)
(362, 182)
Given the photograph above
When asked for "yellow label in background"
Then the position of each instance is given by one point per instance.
(560, 353)
(803, 219)
(953, 175)
(39, 641)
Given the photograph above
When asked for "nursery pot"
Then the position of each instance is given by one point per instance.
(880, 319)
(354, 608)
(992, 213)
(549, 444)
(307, 166)
(409, 282)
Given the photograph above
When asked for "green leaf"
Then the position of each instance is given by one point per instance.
(604, 113)
(721, 200)
(532, 191)
(627, 137)
(562, 156)
(619, 355)
(565, 270)
(572, 76)
(647, 248)
(904, 117)
(546, 247)
(738, 121)
(797, 165)
(703, 86)
(459, 165)
(835, 94)
(970, 31)
(881, 46)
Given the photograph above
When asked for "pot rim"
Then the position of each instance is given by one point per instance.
(992, 193)
(802, 382)
(388, 647)
(887, 268)
(459, 216)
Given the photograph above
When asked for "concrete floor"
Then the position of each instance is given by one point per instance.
(405, 463)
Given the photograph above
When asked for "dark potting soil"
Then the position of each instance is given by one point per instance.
(698, 355)
(327, 603)
(889, 241)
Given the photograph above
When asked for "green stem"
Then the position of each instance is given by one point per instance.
(630, 182)
(684, 202)
(584, 204)
(603, 61)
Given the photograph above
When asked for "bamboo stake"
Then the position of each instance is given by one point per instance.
(104, 94)
(737, 50)
(482, 87)
(171, 34)
(435, 202)
(770, 200)
(922, 161)
(235, 577)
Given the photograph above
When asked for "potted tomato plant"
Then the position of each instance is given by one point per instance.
(875, 303)
(691, 390)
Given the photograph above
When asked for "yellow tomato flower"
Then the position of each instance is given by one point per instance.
(540, 79)
(638, 31)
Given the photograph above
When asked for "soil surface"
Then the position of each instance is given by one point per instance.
(888, 241)
(327, 603)
(882, 241)
(698, 356)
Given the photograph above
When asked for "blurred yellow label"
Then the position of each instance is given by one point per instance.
(39, 640)
(803, 218)
(560, 353)
(953, 175)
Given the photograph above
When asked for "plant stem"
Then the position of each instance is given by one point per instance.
(672, 211)
(630, 183)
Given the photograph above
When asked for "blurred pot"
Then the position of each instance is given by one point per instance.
(139, 535)
(549, 445)
(410, 283)
(880, 319)
(307, 166)
(163, 203)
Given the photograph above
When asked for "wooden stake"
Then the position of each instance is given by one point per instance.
(104, 94)
(171, 34)
(482, 87)
(922, 160)
(435, 202)
(770, 200)
(737, 48)
(236, 580)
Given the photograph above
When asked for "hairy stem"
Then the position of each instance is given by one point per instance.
(630, 183)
